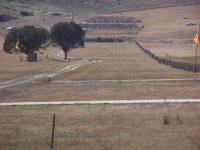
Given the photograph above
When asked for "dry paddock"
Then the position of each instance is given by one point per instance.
(101, 127)
(119, 61)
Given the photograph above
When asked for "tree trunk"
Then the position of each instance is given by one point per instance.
(29, 57)
(65, 54)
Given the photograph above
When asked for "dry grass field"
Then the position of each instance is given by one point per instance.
(166, 33)
(101, 127)
(105, 127)
(165, 30)
(122, 61)
(119, 61)
(103, 6)
(165, 36)
(43, 91)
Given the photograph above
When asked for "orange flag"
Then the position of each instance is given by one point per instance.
(17, 44)
(196, 39)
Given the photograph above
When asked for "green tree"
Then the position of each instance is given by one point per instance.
(30, 38)
(67, 36)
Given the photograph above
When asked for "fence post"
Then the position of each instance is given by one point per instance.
(49, 79)
(53, 127)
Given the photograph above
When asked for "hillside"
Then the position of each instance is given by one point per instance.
(105, 6)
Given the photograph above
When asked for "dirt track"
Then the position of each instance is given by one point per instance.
(94, 102)
(28, 78)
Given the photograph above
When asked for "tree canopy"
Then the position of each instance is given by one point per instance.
(30, 39)
(67, 36)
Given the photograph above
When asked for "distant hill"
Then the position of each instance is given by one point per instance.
(107, 6)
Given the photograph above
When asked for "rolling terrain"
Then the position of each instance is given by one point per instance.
(106, 6)
(159, 25)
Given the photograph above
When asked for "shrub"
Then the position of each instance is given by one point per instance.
(30, 38)
(1, 18)
(56, 14)
(26, 13)
(6, 18)
(166, 120)
(179, 119)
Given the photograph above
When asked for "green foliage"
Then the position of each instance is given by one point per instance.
(67, 36)
(1, 18)
(56, 14)
(10, 41)
(5, 18)
(30, 39)
(26, 13)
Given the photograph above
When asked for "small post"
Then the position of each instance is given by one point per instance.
(49, 79)
(195, 60)
(52, 137)
(20, 57)
(72, 16)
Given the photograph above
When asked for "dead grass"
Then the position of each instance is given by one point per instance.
(165, 31)
(171, 49)
(101, 127)
(120, 61)
(179, 52)
(43, 91)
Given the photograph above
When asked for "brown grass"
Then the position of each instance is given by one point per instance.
(165, 31)
(101, 127)
(43, 91)
(120, 61)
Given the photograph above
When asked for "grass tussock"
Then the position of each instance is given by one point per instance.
(167, 120)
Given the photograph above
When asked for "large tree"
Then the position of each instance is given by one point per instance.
(30, 39)
(67, 36)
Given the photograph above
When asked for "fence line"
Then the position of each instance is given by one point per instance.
(174, 64)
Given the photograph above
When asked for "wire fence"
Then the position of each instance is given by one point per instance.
(174, 64)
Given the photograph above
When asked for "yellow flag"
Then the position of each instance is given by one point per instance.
(196, 39)
(17, 44)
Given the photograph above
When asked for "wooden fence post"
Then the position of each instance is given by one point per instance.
(53, 127)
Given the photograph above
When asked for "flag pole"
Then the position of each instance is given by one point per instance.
(17, 48)
(195, 59)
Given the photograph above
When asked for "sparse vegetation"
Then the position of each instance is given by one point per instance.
(26, 13)
(99, 127)
(4, 18)
(56, 14)
(169, 120)
(166, 120)
(179, 119)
